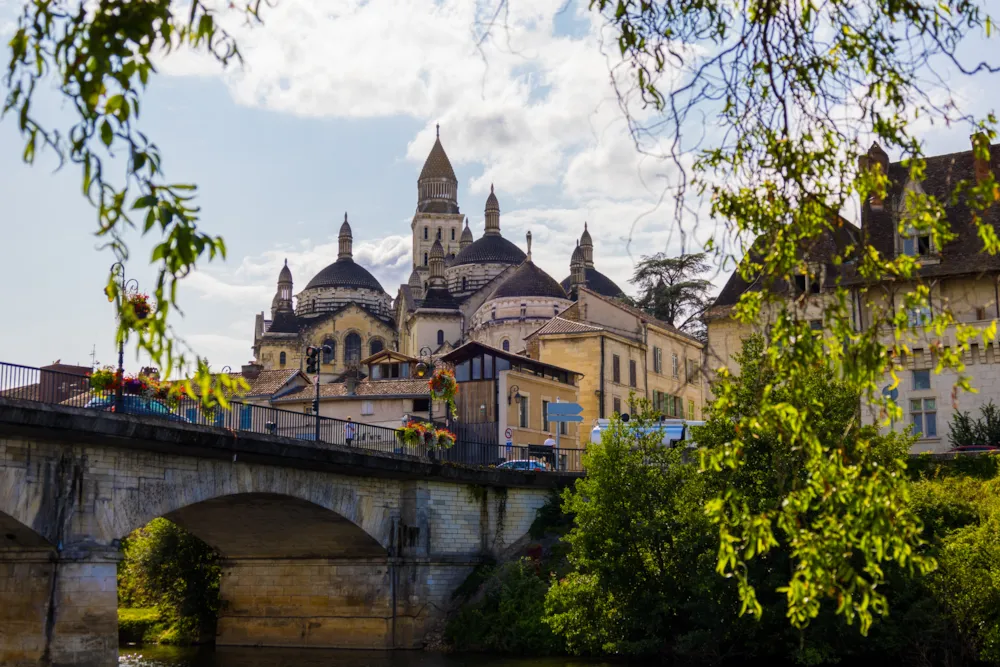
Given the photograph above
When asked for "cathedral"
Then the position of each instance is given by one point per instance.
(461, 289)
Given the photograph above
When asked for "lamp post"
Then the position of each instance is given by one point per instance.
(126, 288)
(425, 368)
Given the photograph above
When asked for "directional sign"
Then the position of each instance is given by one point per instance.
(565, 418)
(890, 391)
(564, 409)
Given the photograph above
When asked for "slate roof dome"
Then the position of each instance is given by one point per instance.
(466, 234)
(597, 282)
(490, 250)
(585, 238)
(577, 255)
(492, 203)
(346, 273)
(529, 280)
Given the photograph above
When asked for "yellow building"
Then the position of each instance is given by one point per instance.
(962, 279)
(622, 352)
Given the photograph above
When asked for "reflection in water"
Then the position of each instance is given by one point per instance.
(167, 656)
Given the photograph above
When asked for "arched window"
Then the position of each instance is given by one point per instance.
(464, 284)
(331, 356)
(352, 347)
(425, 259)
(506, 345)
(375, 346)
(439, 234)
(524, 309)
(440, 336)
(452, 233)
(425, 236)
(282, 358)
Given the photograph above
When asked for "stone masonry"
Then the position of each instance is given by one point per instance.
(323, 547)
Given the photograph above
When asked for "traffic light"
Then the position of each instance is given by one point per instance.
(315, 406)
(312, 359)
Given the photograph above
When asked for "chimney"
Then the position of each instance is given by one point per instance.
(876, 158)
(981, 165)
(352, 384)
(251, 370)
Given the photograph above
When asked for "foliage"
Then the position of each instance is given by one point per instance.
(840, 535)
(639, 524)
(139, 625)
(671, 290)
(507, 616)
(444, 387)
(103, 379)
(966, 430)
(550, 518)
(100, 57)
(166, 567)
(791, 95)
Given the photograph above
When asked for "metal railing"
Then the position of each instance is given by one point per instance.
(56, 387)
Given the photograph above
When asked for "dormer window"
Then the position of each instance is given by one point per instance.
(912, 242)
(916, 245)
(807, 283)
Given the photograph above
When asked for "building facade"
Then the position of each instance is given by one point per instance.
(961, 277)
(623, 353)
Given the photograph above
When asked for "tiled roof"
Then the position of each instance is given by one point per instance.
(645, 317)
(492, 249)
(596, 282)
(268, 382)
(529, 280)
(965, 254)
(558, 325)
(284, 321)
(824, 248)
(439, 298)
(28, 392)
(364, 389)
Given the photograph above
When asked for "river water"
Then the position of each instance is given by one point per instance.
(166, 656)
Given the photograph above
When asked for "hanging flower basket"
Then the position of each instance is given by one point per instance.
(444, 439)
(415, 434)
(141, 307)
(445, 388)
(104, 379)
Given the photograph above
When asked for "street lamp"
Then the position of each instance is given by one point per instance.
(126, 289)
(425, 368)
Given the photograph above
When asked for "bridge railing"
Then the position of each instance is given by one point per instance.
(74, 389)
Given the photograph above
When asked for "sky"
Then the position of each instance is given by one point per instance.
(334, 111)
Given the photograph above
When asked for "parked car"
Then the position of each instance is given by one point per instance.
(136, 405)
(973, 448)
(523, 464)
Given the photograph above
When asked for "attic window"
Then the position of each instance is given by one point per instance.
(803, 281)
(918, 245)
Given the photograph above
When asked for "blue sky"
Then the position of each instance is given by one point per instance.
(335, 111)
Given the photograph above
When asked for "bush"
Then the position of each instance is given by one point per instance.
(507, 615)
(964, 430)
(139, 625)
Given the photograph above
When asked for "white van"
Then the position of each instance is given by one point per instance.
(674, 431)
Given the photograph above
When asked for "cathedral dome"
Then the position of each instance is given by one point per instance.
(490, 250)
(597, 282)
(346, 273)
(285, 276)
(529, 280)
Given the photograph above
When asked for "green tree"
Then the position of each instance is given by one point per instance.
(671, 289)
(965, 430)
(639, 526)
(167, 567)
(793, 94)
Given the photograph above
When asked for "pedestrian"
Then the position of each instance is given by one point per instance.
(550, 441)
(349, 432)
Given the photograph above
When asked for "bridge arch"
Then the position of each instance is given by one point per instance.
(236, 508)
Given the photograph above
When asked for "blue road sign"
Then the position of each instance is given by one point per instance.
(565, 418)
(564, 409)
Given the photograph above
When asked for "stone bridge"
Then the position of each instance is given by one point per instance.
(323, 546)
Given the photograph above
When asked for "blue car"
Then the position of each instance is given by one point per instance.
(136, 405)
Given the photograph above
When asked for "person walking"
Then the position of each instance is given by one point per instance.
(349, 432)
(550, 441)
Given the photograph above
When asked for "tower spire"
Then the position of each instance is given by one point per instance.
(346, 240)
(492, 214)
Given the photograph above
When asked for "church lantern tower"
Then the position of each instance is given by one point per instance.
(437, 216)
